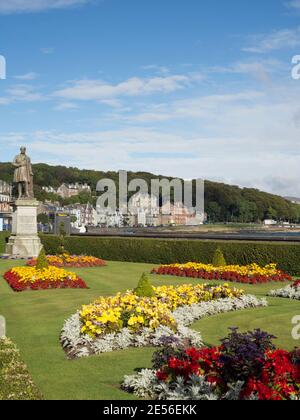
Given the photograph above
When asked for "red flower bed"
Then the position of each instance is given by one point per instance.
(229, 276)
(18, 286)
(296, 284)
(267, 373)
(279, 378)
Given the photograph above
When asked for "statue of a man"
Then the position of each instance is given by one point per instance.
(23, 175)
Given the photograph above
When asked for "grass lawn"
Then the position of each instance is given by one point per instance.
(34, 321)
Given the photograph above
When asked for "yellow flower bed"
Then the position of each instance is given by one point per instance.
(31, 275)
(245, 270)
(66, 260)
(111, 314)
(250, 274)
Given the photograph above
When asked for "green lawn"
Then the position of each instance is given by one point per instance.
(34, 321)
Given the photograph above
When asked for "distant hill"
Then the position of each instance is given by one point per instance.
(293, 199)
(223, 203)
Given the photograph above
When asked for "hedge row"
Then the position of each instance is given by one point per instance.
(15, 380)
(157, 251)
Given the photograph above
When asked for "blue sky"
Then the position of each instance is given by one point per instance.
(185, 88)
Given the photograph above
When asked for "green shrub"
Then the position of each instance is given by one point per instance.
(61, 249)
(42, 262)
(3, 237)
(15, 381)
(218, 258)
(144, 288)
(168, 251)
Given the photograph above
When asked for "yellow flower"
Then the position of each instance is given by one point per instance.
(128, 310)
(248, 270)
(32, 275)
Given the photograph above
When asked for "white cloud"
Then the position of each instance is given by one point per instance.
(261, 70)
(157, 69)
(21, 93)
(4, 101)
(277, 40)
(47, 50)
(66, 106)
(99, 90)
(205, 107)
(27, 76)
(114, 103)
(21, 6)
(293, 4)
(247, 138)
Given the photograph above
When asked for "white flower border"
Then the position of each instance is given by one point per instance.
(77, 345)
(145, 385)
(288, 292)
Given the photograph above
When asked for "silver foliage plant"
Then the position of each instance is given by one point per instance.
(146, 385)
(78, 345)
(288, 292)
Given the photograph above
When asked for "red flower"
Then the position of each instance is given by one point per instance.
(161, 376)
(277, 380)
(14, 281)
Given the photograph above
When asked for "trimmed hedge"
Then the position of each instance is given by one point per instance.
(15, 380)
(166, 251)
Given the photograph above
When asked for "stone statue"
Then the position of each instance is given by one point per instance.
(24, 241)
(23, 175)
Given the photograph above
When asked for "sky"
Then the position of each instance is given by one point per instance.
(182, 88)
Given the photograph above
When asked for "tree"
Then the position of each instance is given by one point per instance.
(42, 262)
(62, 239)
(43, 218)
(271, 213)
(218, 258)
(73, 218)
(213, 210)
(222, 202)
(144, 288)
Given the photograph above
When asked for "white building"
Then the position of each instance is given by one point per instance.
(69, 190)
(143, 201)
(49, 190)
(152, 220)
(178, 214)
(76, 212)
(5, 212)
(144, 209)
(270, 222)
(196, 219)
(5, 188)
(85, 215)
(115, 219)
(4, 198)
(107, 217)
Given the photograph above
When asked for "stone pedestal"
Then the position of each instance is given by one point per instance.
(24, 241)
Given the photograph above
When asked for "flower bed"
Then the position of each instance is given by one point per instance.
(289, 292)
(66, 260)
(126, 320)
(250, 274)
(29, 278)
(245, 366)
